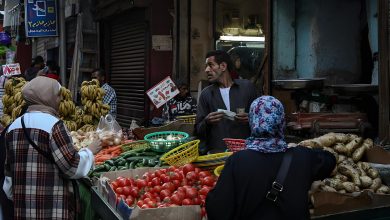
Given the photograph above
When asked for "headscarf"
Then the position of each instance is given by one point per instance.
(42, 94)
(266, 121)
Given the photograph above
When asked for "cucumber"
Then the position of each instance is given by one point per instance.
(113, 168)
(107, 167)
(121, 162)
(109, 162)
(99, 168)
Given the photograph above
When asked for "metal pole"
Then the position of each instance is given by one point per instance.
(62, 48)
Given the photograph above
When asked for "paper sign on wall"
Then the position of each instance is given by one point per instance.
(11, 69)
(162, 92)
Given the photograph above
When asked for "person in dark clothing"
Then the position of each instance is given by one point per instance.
(182, 104)
(35, 67)
(224, 93)
(240, 192)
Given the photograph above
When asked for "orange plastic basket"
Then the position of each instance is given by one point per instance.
(235, 145)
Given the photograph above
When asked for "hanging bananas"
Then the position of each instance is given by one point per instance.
(13, 101)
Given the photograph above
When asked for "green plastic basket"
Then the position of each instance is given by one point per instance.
(158, 142)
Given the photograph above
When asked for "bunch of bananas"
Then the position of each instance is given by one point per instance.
(88, 128)
(92, 100)
(67, 109)
(13, 101)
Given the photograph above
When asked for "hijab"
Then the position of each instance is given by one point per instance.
(42, 94)
(266, 121)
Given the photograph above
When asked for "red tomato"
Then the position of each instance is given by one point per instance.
(188, 168)
(148, 195)
(128, 182)
(165, 193)
(145, 206)
(165, 178)
(129, 201)
(171, 168)
(152, 204)
(196, 201)
(176, 183)
(203, 174)
(204, 190)
(134, 191)
(191, 176)
(175, 199)
(176, 176)
(169, 186)
(167, 200)
(156, 181)
(203, 211)
(126, 190)
(191, 193)
(208, 181)
(141, 183)
(197, 170)
(158, 173)
(114, 185)
(121, 182)
(157, 188)
(140, 203)
(186, 202)
(182, 195)
(119, 190)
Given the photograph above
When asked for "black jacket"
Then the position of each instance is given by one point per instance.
(242, 93)
(247, 176)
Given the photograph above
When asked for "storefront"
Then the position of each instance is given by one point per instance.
(136, 52)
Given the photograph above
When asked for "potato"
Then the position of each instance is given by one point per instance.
(366, 181)
(349, 187)
(326, 140)
(341, 158)
(328, 188)
(341, 177)
(334, 183)
(310, 144)
(373, 173)
(383, 190)
(351, 137)
(376, 183)
(358, 153)
(361, 171)
(364, 165)
(357, 189)
(343, 191)
(341, 138)
(350, 172)
(368, 143)
(336, 155)
(340, 148)
(316, 185)
(352, 145)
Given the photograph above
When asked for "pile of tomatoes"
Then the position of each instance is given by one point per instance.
(173, 186)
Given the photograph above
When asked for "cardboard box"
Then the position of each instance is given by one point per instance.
(326, 203)
(192, 212)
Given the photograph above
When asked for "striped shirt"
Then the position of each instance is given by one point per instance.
(110, 98)
(41, 189)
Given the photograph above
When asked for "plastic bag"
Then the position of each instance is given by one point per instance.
(133, 126)
(109, 131)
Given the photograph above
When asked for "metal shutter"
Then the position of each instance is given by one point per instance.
(127, 69)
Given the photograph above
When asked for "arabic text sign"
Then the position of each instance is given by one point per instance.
(41, 18)
(11, 69)
(162, 92)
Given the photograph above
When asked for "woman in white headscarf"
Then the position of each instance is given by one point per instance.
(40, 169)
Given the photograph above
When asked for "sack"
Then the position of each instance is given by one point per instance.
(109, 131)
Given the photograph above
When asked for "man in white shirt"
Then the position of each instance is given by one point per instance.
(227, 94)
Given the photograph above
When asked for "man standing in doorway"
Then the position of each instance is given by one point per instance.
(224, 93)
(110, 96)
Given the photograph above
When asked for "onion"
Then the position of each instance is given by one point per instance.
(117, 141)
